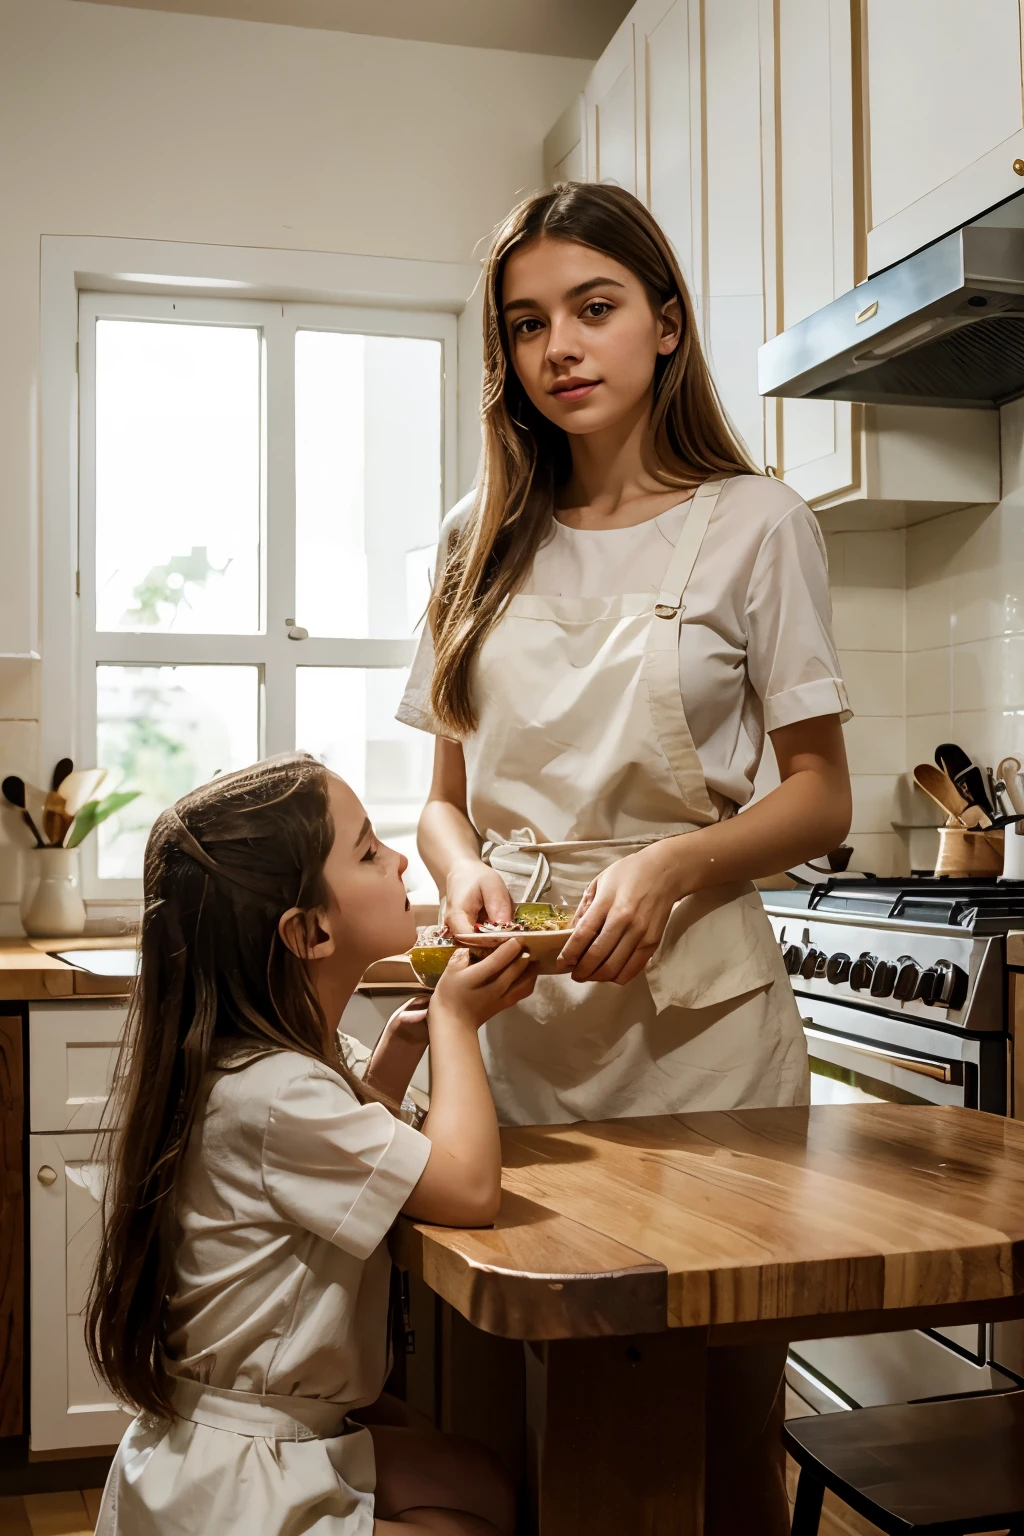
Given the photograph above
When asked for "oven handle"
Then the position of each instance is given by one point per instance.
(939, 1070)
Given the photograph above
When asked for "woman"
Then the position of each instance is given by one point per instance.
(622, 610)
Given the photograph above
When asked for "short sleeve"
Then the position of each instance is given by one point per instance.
(791, 654)
(414, 708)
(336, 1167)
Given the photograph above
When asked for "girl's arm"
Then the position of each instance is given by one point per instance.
(624, 912)
(461, 1184)
(400, 1049)
(450, 847)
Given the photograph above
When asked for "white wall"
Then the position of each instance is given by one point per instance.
(188, 128)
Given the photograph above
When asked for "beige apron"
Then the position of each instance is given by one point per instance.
(582, 755)
(239, 1463)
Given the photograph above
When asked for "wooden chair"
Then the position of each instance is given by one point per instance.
(942, 1468)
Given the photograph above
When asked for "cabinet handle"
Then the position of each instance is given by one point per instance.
(1018, 166)
(47, 1175)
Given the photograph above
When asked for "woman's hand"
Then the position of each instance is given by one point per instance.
(476, 893)
(475, 990)
(622, 917)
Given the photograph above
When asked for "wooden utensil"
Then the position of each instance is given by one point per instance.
(1009, 772)
(939, 787)
(14, 793)
(79, 787)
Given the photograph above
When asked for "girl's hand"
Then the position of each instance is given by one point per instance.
(622, 917)
(409, 1022)
(476, 893)
(475, 990)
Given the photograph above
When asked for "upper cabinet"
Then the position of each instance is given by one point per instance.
(807, 139)
(781, 145)
(944, 126)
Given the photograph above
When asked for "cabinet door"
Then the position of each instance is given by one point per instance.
(610, 106)
(668, 124)
(945, 117)
(70, 1409)
(73, 1052)
(565, 155)
(807, 161)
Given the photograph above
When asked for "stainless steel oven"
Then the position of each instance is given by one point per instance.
(902, 989)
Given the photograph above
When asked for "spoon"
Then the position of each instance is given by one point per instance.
(1009, 772)
(14, 793)
(939, 787)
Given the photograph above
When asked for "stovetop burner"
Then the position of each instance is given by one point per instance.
(977, 905)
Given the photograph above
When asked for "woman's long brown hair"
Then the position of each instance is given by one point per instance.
(526, 457)
(220, 869)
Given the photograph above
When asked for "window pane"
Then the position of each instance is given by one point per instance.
(346, 717)
(367, 481)
(177, 477)
(165, 730)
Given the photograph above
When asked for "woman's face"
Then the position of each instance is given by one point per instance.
(369, 913)
(582, 334)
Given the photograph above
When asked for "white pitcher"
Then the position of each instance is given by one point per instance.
(51, 900)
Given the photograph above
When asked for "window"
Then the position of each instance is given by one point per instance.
(260, 492)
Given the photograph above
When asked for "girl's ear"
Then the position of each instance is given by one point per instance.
(306, 934)
(671, 327)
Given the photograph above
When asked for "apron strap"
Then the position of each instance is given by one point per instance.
(262, 1416)
(684, 556)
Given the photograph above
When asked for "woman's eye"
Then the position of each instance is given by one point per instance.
(370, 854)
(527, 327)
(597, 310)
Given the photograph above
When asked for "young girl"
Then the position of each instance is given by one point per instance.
(241, 1297)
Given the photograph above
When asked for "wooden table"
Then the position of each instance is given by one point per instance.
(625, 1250)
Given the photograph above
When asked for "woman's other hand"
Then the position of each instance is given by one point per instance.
(622, 917)
(476, 893)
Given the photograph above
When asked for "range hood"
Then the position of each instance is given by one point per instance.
(944, 327)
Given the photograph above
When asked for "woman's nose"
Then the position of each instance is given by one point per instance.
(403, 864)
(563, 344)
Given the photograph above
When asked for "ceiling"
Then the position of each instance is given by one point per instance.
(570, 28)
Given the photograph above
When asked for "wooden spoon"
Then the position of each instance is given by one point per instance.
(14, 794)
(939, 787)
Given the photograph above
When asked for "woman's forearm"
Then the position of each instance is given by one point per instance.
(395, 1058)
(445, 836)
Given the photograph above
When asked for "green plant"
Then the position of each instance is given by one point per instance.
(95, 811)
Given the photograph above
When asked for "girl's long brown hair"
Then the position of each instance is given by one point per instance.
(526, 457)
(220, 869)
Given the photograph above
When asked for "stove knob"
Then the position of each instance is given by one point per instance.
(861, 971)
(837, 968)
(883, 979)
(907, 977)
(813, 963)
(928, 984)
(951, 986)
(793, 958)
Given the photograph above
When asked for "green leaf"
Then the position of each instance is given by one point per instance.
(95, 811)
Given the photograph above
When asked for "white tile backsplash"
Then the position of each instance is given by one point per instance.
(875, 744)
(875, 803)
(874, 682)
(19, 689)
(929, 682)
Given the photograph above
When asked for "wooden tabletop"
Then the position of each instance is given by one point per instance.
(751, 1224)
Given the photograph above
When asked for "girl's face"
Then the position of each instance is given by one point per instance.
(369, 915)
(582, 334)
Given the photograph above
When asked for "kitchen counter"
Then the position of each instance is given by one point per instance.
(625, 1250)
(31, 972)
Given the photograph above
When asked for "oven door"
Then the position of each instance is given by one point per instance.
(860, 1056)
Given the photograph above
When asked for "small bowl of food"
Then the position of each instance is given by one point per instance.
(430, 955)
(540, 928)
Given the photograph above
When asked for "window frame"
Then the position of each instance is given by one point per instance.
(275, 655)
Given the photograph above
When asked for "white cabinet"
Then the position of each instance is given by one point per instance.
(70, 1409)
(945, 120)
(807, 156)
(72, 1052)
(609, 100)
(565, 155)
(666, 41)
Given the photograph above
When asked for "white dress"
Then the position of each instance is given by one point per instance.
(279, 1316)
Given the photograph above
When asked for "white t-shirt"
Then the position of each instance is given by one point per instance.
(755, 647)
(286, 1195)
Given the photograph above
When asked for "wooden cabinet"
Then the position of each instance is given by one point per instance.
(944, 119)
(808, 179)
(12, 1226)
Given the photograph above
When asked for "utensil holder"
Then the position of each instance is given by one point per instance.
(963, 852)
(1013, 853)
(51, 899)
